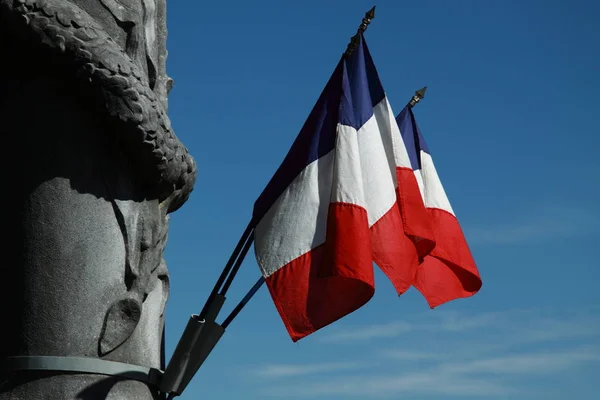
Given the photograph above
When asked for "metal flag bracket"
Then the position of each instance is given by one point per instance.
(202, 332)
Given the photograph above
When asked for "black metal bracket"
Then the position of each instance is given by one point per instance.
(198, 340)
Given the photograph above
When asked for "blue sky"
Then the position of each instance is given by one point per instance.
(510, 117)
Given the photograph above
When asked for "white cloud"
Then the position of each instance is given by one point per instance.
(544, 224)
(289, 370)
(516, 326)
(446, 322)
(460, 322)
(524, 364)
(549, 330)
(373, 386)
(409, 355)
(479, 356)
(481, 377)
(370, 332)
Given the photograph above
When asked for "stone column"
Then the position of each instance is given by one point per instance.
(92, 171)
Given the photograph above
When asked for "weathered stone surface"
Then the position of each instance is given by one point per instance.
(92, 171)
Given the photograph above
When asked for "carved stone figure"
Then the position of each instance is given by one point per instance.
(92, 171)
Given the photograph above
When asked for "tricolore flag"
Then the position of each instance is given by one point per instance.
(344, 196)
(448, 272)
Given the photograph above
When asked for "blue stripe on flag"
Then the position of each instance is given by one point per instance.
(348, 98)
(375, 87)
(361, 88)
(413, 139)
(316, 138)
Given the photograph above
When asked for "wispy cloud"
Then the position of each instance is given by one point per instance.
(527, 363)
(448, 322)
(408, 355)
(372, 386)
(370, 332)
(482, 377)
(542, 225)
(289, 370)
(546, 329)
(460, 322)
(484, 355)
(522, 326)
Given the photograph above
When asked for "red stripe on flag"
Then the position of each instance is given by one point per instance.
(332, 280)
(417, 223)
(403, 236)
(393, 251)
(449, 271)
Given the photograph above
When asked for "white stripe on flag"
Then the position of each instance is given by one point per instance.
(297, 221)
(434, 193)
(379, 179)
(391, 136)
(419, 178)
(348, 185)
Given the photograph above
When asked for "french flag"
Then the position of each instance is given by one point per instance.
(448, 272)
(344, 197)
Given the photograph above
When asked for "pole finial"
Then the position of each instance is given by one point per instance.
(369, 15)
(419, 94)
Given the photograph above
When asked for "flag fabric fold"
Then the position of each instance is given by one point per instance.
(449, 271)
(344, 196)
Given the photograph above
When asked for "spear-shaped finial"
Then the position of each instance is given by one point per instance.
(369, 15)
(419, 94)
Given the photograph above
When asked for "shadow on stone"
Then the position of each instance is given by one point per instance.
(93, 173)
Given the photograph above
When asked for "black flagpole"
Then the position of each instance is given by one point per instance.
(369, 15)
(202, 332)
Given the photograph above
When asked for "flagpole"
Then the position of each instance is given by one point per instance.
(230, 268)
(202, 332)
(417, 97)
(369, 15)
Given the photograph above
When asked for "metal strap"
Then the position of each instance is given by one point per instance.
(83, 365)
